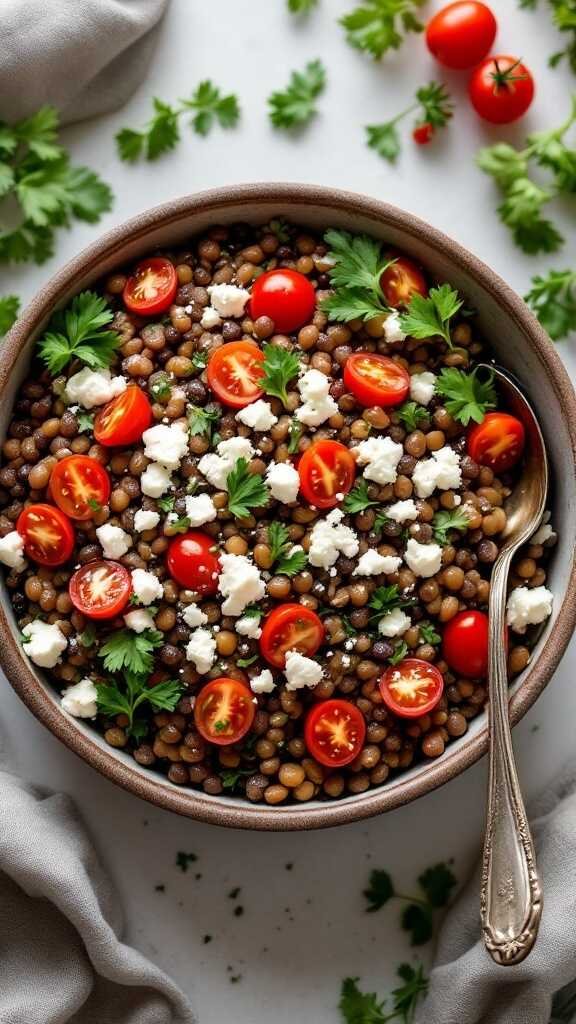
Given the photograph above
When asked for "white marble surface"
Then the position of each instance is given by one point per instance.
(302, 929)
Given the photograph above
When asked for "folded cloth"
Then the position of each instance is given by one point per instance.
(83, 56)
(466, 987)
(62, 961)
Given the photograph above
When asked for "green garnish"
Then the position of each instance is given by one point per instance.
(9, 309)
(85, 421)
(94, 505)
(88, 637)
(202, 420)
(468, 397)
(443, 522)
(359, 1007)
(179, 525)
(162, 133)
(357, 499)
(221, 725)
(161, 388)
(295, 106)
(200, 359)
(246, 490)
(430, 317)
(128, 651)
(294, 434)
(376, 26)
(355, 277)
(230, 777)
(564, 18)
(166, 504)
(244, 662)
(435, 107)
(301, 6)
(428, 634)
(285, 561)
(400, 652)
(380, 522)
(184, 860)
(386, 599)
(553, 299)
(80, 332)
(411, 414)
(115, 698)
(436, 884)
(280, 367)
(252, 613)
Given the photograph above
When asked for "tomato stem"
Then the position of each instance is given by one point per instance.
(504, 79)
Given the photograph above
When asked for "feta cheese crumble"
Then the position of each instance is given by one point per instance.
(146, 586)
(240, 583)
(372, 564)
(200, 509)
(194, 616)
(114, 541)
(210, 318)
(424, 559)
(44, 643)
(155, 480)
(257, 416)
(145, 520)
(442, 471)
(544, 531)
(283, 481)
(329, 538)
(528, 607)
(301, 671)
(228, 299)
(12, 551)
(381, 456)
(80, 700)
(262, 683)
(139, 620)
(249, 625)
(422, 387)
(201, 650)
(166, 444)
(402, 511)
(216, 467)
(318, 406)
(392, 330)
(394, 623)
(93, 387)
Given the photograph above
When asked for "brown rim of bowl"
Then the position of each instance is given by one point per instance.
(215, 810)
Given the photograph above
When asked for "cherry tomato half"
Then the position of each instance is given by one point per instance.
(286, 296)
(79, 485)
(224, 711)
(411, 688)
(151, 288)
(100, 590)
(123, 420)
(334, 732)
(47, 533)
(400, 281)
(465, 644)
(376, 380)
(234, 371)
(501, 89)
(497, 442)
(290, 627)
(193, 562)
(461, 34)
(326, 469)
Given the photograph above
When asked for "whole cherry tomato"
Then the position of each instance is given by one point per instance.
(151, 288)
(461, 34)
(465, 644)
(224, 711)
(400, 281)
(334, 732)
(100, 590)
(47, 533)
(412, 688)
(327, 469)
(234, 372)
(423, 133)
(123, 420)
(376, 380)
(193, 562)
(290, 627)
(286, 296)
(501, 89)
(497, 442)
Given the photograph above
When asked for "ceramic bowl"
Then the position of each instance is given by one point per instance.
(519, 344)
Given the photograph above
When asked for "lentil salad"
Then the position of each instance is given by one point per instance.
(339, 634)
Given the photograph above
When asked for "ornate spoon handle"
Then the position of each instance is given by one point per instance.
(511, 895)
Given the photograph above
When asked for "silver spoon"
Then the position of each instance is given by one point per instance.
(511, 894)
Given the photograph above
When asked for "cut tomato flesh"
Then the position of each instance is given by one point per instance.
(411, 691)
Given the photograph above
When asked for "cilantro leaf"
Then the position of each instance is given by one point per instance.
(125, 698)
(434, 107)
(287, 558)
(358, 264)
(130, 651)
(166, 504)
(400, 652)
(9, 309)
(443, 522)
(179, 525)
(88, 637)
(292, 563)
(245, 490)
(295, 106)
(301, 6)
(375, 26)
(437, 883)
(294, 435)
(359, 1007)
(202, 420)
(521, 212)
(79, 332)
(278, 540)
(380, 890)
(85, 421)
(384, 138)
(280, 367)
(417, 919)
(429, 317)
(211, 106)
(468, 397)
(357, 499)
(428, 634)
(553, 299)
(386, 599)
(411, 414)
(407, 996)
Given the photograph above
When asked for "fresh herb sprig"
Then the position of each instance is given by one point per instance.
(285, 561)
(246, 490)
(434, 107)
(38, 181)
(301, 6)
(202, 421)
(294, 435)
(430, 316)
(467, 396)
(524, 200)
(127, 651)
(359, 1007)
(166, 504)
(295, 106)
(446, 520)
(387, 599)
(376, 26)
(207, 106)
(564, 18)
(428, 634)
(125, 697)
(436, 885)
(280, 367)
(357, 499)
(412, 415)
(9, 309)
(80, 331)
(358, 265)
(553, 299)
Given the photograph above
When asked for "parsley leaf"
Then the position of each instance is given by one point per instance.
(355, 276)
(411, 414)
(437, 883)
(245, 490)
(434, 107)
(80, 332)
(280, 367)
(357, 499)
(380, 890)
(375, 26)
(285, 560)
(130, 651)
(301, 6)
(430, 317)
(9, 309)
(468, 397)
(162, 133)
(179, 525)
(564, 17)
(85, 421)
(292, 563)
(386, 599)
(166, 504)
(161, 387)
(202, 420)
(296, 104)
(384, 138)
(443, 522)
(428, 634)
(553, 299)
(88, 637)
(294, 435)
(244, 662)
(359, 1007)
(400, 652)
(124, 699)
(230, 777)
(407, 996)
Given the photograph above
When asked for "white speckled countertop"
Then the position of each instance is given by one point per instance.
(304, 927)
